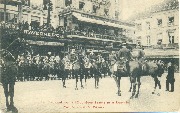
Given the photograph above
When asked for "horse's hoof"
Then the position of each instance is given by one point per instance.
(131, 97)
(153, 93)
(64, 86)
(8, 108)
(119, 94)
(76, 88)
(82, 87)
(136, 96)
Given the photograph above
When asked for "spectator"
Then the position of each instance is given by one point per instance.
(170, 77)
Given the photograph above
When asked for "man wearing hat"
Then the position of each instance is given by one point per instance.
(170, 77)
(125, 53)
(8, 74)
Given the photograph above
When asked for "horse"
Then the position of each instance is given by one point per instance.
(156, 70)
(9, 73)
(77, 69)
(150, 68)
(66, 68)
(95, 67)
(87, 66)
(120, 70)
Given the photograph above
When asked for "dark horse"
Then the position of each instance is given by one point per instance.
(77, 70)
(8, 72)
(121, 71)
(96, 71)
(150, 68)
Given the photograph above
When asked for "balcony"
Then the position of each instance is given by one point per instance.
(10, 28)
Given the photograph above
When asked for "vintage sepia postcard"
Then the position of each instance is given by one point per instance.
(89, 56)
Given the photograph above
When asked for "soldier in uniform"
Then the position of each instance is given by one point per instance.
(87, 66)
(66, 63)
(112, 63)
(9, 72)
(170, 77)
(92, 58)
(125, 55)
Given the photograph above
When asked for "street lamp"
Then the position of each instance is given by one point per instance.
(19, 2)
(5, 11)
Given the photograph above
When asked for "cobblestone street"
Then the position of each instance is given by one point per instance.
(50, 96)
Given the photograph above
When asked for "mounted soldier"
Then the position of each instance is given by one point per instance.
(141, 58)
(124, 55)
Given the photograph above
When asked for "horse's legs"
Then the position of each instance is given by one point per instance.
(119, 83)
(81, 82)
(11, 93)
(131, 85)
(95, 80)
(6, 93)
(115, 78)
(95, 77)
(99, 75)
(139, 84)
(76, 76)
(155, 84)
(133, 82)
(64, 78)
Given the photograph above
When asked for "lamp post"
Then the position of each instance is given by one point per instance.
(4, 10)
(19, 2)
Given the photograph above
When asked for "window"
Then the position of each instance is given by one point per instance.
(106, 12)
(148, 25)
(159, 22)
(81, 5)
(68, 2)
(171, 21)
(159, 38)
(171, 37)
(116, 14)
(95, 8)
(148, 40)
(139, 27)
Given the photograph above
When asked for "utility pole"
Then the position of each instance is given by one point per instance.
(4, 10)
(19, 10)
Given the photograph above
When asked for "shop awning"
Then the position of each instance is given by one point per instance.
(101, 22)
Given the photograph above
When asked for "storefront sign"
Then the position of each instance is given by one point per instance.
(37, 33)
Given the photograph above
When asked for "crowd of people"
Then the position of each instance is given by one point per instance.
(51, 67)
(63, 31)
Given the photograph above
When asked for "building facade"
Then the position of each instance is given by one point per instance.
(92, 24)
(160, 28)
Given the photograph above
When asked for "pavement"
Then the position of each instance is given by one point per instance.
(50, 96)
